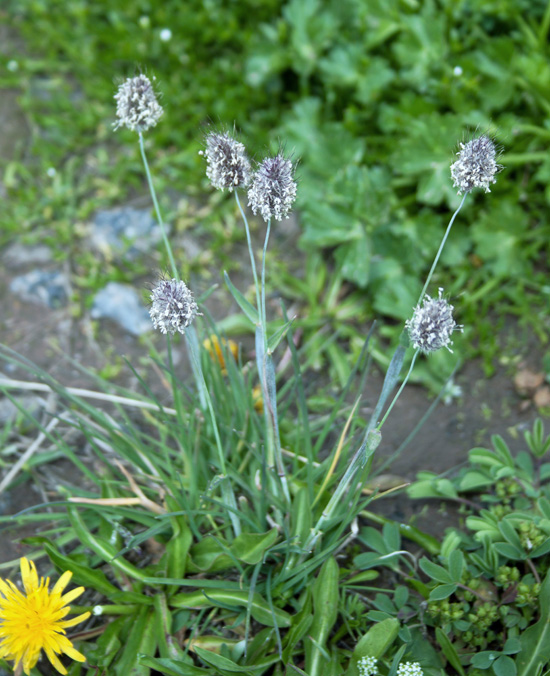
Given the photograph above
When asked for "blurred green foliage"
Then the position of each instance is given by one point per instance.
(372, 96)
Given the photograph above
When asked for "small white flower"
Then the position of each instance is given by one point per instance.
(165, 34)
(410, 669)
(367, 666)
(273, 189)
(12, 66)
(431, 326)
(476, 166)
(227, 165)
(137, 105)
(172, 306)
(97, 610)
(51, 172)
(457, 71)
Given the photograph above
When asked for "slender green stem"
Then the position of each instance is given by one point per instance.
(438, 254)
(405, 379)
(250, 251)
(157, 208)
(263, 312)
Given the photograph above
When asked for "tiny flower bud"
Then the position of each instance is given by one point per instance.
(476, 165)
(410, 669)
(273, 188)
(137, 106)
(367, 666)
(431, 326)
(227, 163)
(172, 307)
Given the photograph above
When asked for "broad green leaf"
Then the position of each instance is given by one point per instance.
(504, 666)
(456, 564)
(225, 598)
(377, 640)
(141, 640)
(208, 555)
(441, 592)
(435, 571)
(251, 547)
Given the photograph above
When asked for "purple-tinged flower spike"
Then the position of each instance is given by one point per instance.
(431, 326)
(172, 306)
(227, 164)
(476, 166)
(273, 189)
(137, 106)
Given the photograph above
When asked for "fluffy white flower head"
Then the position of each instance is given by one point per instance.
(227, 164)
(367, 666)
(137, 106)
(431, 326)
(476, 166)
(273, 189)
(410, 669)
(172, 306)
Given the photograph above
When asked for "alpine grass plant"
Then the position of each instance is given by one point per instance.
(216, 523)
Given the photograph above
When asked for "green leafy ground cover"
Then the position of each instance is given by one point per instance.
(371, 96)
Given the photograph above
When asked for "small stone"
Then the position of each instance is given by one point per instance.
(124, 231)
(45, 288)
(526, 382)
(122, 304)
(18, 255)
(542, 397)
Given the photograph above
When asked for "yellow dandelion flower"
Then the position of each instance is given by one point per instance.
(34, 622)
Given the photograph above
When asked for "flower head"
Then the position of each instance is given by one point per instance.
(227, 164)
(33, 621)
(137, 106)
(431, 326)
(367, 666)
(476, 165)
(410, 669)
(273, 189)
(172, 306)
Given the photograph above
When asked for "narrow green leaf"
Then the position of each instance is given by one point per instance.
(241, 301)
(224, 663)
(326, 594)
(83, 575)
(172, 667)
(276, 338)
(449, 651)
(535, 640)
